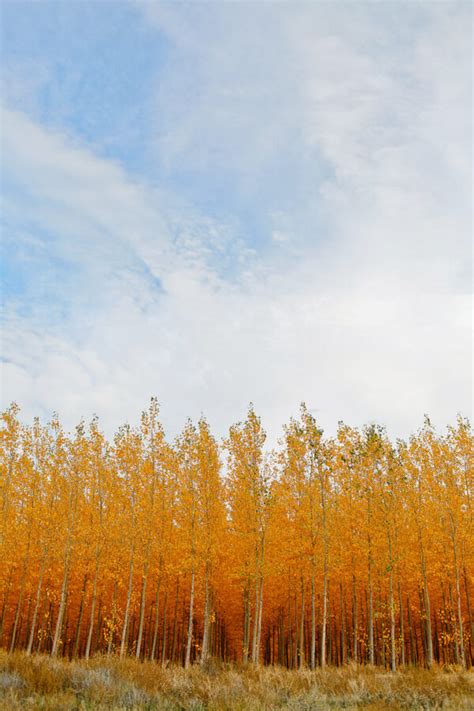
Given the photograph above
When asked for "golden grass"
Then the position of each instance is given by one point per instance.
(111, 683)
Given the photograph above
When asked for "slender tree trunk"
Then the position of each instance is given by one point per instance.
(429, 638)
(325, 574)
(92, 613)
(29, 648)
(393, 658)
(427, 603)
(27, 623)
(260, 612)
(371, 622)
(123, 641)
(157, 618)
(281, 640)
(412, 640)
(79, 619)
(67, 561)
(100, 620)
(457, 658)
(114, 616)
(205, 634)
(329, 628)
(295, 646)
(246, 640)
(190, 623)
(175, 621)
(290, 630)
(458, 594)
(40, 623)
(424, 642)
(402, 626)
(324, 621)
(62, 606)
(354, 619)
(142, 605)
(301, 643)
(469, 612)
(256, 611)
(313, 618)
(343, 627)
(165, 631)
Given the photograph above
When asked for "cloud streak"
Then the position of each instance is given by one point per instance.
(333, 265)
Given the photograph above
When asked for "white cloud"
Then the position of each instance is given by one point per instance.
(349, 125)
(361, 304)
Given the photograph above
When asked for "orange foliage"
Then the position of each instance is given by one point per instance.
(325, 551)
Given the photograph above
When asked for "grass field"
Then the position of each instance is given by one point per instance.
(111, 683)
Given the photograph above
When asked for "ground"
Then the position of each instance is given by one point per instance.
(39, 682)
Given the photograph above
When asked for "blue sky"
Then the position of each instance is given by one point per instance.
(84, 67)
(224, 202)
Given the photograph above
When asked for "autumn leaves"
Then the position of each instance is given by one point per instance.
(324, 551)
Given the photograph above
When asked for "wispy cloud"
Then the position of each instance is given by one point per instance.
(306, 234)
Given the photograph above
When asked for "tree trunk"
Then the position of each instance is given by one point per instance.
(301, 643)
(260, 612)
(393, 659)
(246, 640)
(429, 640)
(142, 606)
(175, 621)
(343, 628)
(157, 618)
(79, 619)
(458, 594)
(324, 621)
(92, 614)
(255, 617)
(313, 619)
(165, 631)
(190, 623)
(412, 639)
(62, 607)
(371, 622)
(290, 630)
(402, 626)
(325, 573)
(37, 604)
(123, 641)
(426, 600)
(454, 625)
(469, 612)
(207, 612)
(114, 611)
(354, 619)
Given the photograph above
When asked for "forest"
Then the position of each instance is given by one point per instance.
(324, 551)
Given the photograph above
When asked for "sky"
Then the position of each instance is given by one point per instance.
(219, 203)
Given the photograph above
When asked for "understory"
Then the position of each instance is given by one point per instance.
(103, 682)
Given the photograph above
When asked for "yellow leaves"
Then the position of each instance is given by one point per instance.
(141, 510)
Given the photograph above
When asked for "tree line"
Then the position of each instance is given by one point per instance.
(323, 551)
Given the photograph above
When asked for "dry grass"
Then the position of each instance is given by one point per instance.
(111, 683)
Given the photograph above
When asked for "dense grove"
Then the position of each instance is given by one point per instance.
(324, 551)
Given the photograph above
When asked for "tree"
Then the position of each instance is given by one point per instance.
(248, 494)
